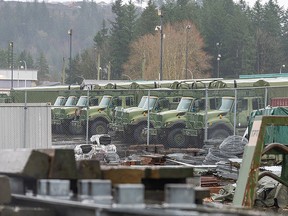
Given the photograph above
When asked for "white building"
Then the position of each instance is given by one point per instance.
(21, 78)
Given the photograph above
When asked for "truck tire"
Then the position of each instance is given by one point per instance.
(218, 134)
(176, 139)
(59, 129)
(140, 137)
(76, 131)
(99, 127)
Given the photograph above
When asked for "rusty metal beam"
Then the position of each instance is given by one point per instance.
(249, 172)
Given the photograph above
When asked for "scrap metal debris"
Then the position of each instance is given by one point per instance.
(100, 149)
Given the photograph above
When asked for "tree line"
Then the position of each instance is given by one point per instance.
(198, 38)
(208, 39)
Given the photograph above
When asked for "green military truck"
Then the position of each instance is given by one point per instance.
(224, 121)
(167, 126)
(130, 123)
(62, 116)
(97, 118)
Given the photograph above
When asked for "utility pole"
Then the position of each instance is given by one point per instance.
(11, 45)
(186, 60)
(70, 51)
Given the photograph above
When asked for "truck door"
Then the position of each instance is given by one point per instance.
(243, 113)
(244, 107)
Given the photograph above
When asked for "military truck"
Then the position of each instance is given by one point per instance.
(60, 114)
(224, 121)
(63, 115)
(97, 118)
(129, 123)
(166, 126)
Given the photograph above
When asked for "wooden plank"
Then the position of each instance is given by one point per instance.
(135, 174)
(122, 175)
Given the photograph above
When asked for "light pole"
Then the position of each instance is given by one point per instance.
(218, 58)
(282, 66)
(70, 56)
(186, 60)
(25, 68)
(25, 64)
(161, 44)
(11, 63)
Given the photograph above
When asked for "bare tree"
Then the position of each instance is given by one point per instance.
(144, 61)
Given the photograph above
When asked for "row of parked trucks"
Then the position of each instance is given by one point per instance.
(176, 114)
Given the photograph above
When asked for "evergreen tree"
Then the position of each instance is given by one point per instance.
(102, 47)
(267, 21)
(4, 55)
(25, 58)
(42, 68)
(73, 77)
(227, 33)
(148, 20)
(122, 33)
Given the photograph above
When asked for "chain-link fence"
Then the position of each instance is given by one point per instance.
(176, 118)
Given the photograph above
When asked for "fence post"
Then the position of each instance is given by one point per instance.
(87, 118)
(235, 112)
(148, 119)
(25, 118)
(206, 117)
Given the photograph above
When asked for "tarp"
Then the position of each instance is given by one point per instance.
(274, 134)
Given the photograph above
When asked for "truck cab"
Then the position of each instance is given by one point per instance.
(222, 121)
(97, 118)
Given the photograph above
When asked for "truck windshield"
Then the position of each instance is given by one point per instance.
(83, 101)
(152, 102)
(60, 101)
(226, 104)
(184, 104)
(71, 101)
(105, 101)
(142, 101)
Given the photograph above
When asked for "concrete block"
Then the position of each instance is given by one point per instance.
(62, 163)
(99, 191)
(88, 169)
(179, 195)
(5, 190)
(131, 195)
(54, 188)
(24, 163)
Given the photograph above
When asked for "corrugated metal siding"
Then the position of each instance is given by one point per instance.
(25, 128)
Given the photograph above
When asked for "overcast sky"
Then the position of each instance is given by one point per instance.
(283, 3)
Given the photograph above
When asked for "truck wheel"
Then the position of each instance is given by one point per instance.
(138, 135)
(59, 129)
(76, 130)
(218, 134)
(176, 138)
(98, 127)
